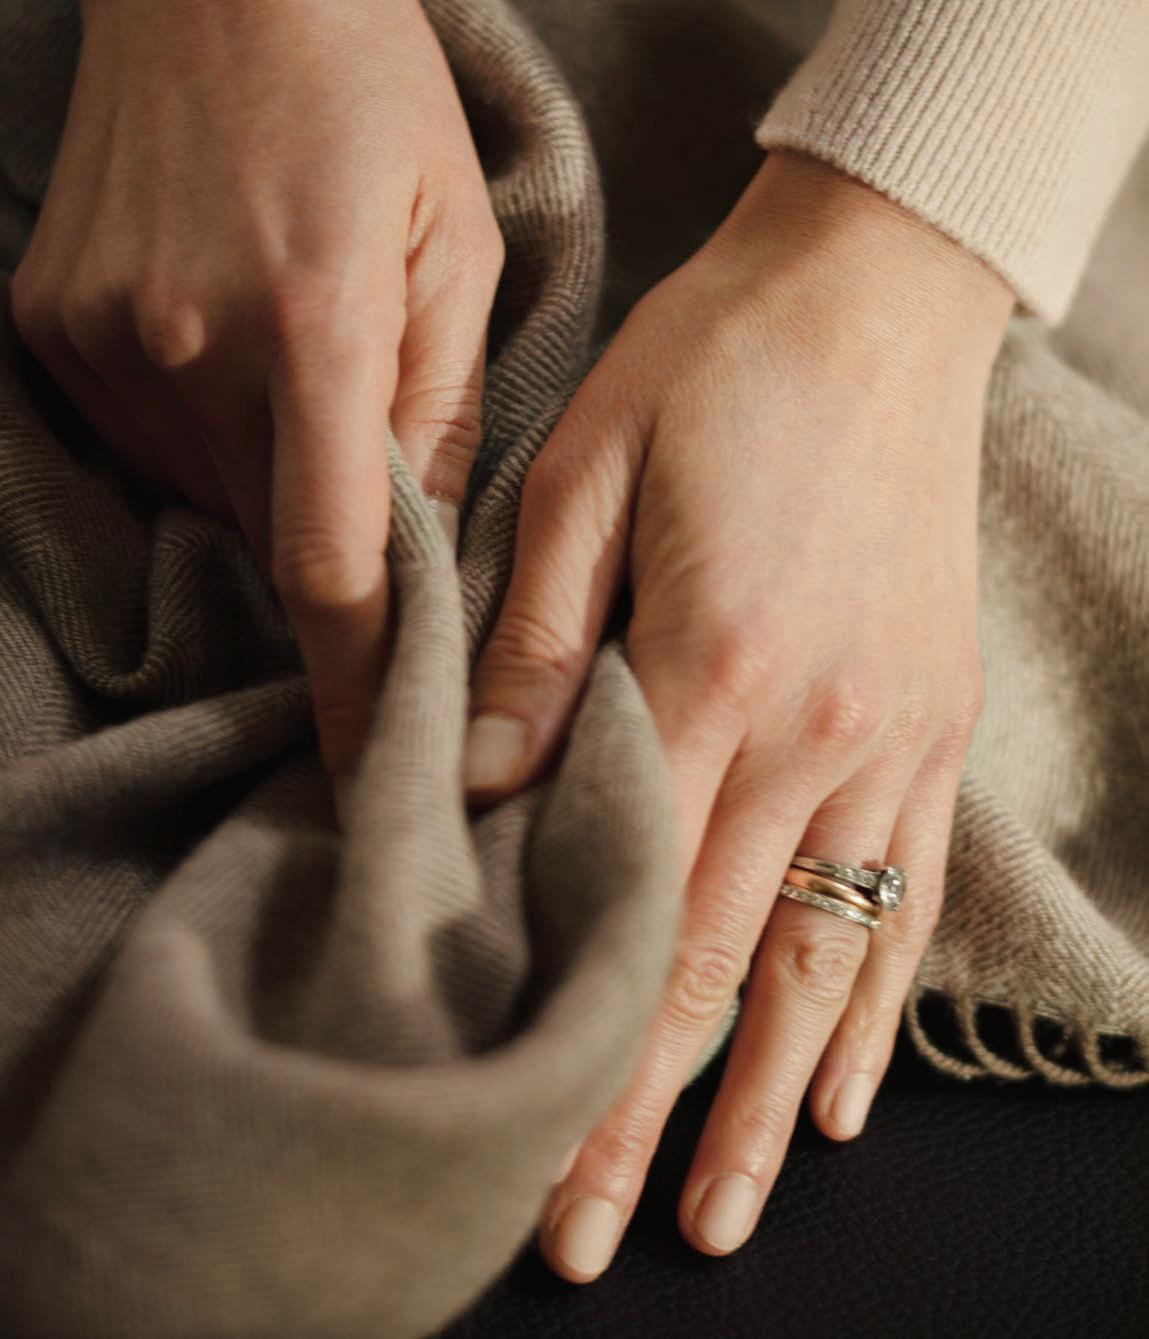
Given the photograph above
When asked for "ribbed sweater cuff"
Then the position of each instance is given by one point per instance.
(1008, 124)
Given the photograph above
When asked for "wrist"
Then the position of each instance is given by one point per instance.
(877, 263)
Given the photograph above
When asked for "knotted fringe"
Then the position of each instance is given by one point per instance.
(1075, 1040)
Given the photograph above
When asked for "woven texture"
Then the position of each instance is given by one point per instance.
(257, 1078)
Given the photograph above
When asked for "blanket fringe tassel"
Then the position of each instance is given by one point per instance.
(1080, 1041)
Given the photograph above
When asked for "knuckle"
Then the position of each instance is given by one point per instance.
(171, 331)
(624, 1147)
(450, 416)
(820, 963)
(521, 637)
(841, 720)
(731, 669)
(760, 1125)
(312, 572)
(702, 983)
(454, 438)
(859, 1029)
(457, 429)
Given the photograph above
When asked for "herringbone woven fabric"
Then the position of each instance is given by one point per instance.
(257, 1078)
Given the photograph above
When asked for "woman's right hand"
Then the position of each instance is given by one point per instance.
(266, 235)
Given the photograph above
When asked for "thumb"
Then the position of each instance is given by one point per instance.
(570, 547)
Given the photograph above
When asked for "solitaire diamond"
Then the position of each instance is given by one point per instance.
(891, 887)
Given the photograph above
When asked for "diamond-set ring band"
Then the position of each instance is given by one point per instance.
(822, 884)
(831, 904)
(851, 891)
(887, 882)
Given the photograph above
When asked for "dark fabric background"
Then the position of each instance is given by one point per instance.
(964, 1211)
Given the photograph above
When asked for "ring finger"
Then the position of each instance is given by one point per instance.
(797, 990)
(863, 1042)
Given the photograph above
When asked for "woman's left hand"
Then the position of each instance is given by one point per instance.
(781, 450)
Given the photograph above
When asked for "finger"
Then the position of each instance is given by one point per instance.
(41, 330)
(205, 387)
(330, 394)
(723, 919)
(797, 990)
(437, 415)
(243, 461)
(569, 555)
(698, 699)
(741, 812)
(217, 375)
(859, 1052)
(724, 914)
(167, 433)
(241, 447)
(105, 333)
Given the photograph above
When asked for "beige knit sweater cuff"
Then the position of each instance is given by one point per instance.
(1009, 124)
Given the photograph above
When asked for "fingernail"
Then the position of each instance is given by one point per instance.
(448, 515)
(723, 1219)
(493, 748)
(567, 1163)
(852, 1103)
(585, 1236)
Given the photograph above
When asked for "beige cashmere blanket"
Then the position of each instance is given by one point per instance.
(260, 1078)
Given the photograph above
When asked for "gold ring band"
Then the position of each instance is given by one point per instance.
(845, 892)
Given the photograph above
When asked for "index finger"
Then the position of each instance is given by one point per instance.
(331, 395)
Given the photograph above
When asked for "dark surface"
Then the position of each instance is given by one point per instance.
(977, 1210)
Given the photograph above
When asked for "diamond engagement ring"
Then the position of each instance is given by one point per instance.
(851, 891)
(887, 883)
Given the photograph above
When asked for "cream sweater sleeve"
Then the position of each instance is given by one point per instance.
(1008, 124)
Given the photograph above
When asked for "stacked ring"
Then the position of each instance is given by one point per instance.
(887, 883)
(850, 891)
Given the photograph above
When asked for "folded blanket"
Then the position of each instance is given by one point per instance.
(260, 1077)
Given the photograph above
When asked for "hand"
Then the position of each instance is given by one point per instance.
(780, 450)
(267, 233)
